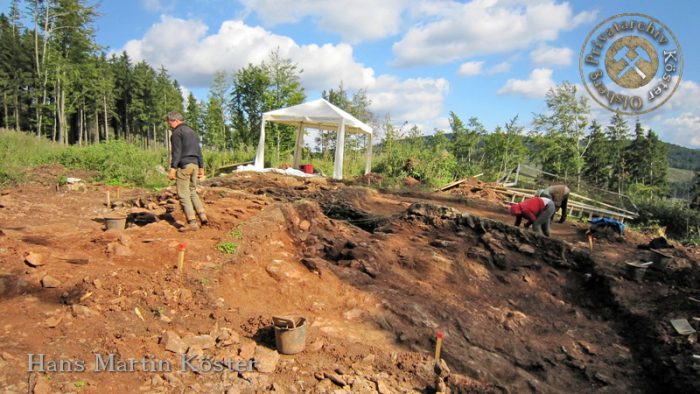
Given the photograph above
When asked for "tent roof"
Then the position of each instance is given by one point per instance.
(317, 114)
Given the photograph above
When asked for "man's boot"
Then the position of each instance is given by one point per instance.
(203, 219)
(190, 226)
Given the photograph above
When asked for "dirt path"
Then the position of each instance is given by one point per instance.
(375, 274)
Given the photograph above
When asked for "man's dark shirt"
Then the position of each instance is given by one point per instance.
(185, 147)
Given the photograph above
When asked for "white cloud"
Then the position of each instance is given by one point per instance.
(536, 86)
(684, 129)
(354, 20)
(469, 69)
(192, 57)
(415, 100)
(157, 5)
(483, 27)
(551, 56)
(500, 68)
(678, 120)
(687, 96)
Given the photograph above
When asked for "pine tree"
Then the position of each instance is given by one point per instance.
(618, 136)
(194, 115)
(215, 134)
(658, 162)
(637, 155)
(597, 169)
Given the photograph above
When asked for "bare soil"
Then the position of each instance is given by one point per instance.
(375, 273)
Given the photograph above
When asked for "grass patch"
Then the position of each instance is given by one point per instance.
(117, 162)
(227, 247)
(80, 384)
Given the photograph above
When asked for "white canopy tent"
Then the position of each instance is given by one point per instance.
(318, 114)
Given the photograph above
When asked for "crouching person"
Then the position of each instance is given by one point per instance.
(538, 212)
(560, 195)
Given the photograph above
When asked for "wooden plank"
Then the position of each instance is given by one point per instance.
(233, 166)
(601, 203)
(451, 185)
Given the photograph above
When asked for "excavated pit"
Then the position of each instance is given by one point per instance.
(520, 311)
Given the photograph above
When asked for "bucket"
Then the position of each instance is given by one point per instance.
(307, 168)
(290, 334)
(115, 222)
(636, 271)
(660, 259)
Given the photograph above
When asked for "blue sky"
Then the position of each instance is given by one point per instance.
(417, 59)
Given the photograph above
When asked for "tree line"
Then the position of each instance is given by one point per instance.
(58, 83)
(566, 142)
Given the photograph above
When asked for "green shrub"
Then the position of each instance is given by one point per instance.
(681, 222)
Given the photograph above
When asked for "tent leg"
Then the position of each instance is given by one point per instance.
(368, 153)
(339, 151)
(260, 153)
(297, 146)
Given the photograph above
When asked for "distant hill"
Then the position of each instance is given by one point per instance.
(682, 157)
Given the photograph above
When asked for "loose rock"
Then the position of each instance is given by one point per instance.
(173, 343)
(49, 282)
(34, 259)
(203, 342)
(266, 359)
(247, 350)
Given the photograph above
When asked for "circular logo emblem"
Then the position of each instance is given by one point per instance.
(631, 63)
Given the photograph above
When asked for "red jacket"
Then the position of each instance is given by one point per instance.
(529, 208)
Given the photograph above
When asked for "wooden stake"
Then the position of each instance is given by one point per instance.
(181, 258)
(438, 346)
(590, 242)
(109, 201)
(118, 190)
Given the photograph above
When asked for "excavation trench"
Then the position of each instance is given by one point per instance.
(521, 312)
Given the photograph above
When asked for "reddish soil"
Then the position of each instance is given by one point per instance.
(376, 274)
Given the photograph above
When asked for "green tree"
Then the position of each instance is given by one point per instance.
(618, 137)
(597, 169)
(215, 135)
(658, 162)
(74, 41)
(695, 192)
(465, 139)
(248, 102)
(122, 71)
(504, 148)
(194, 114)
(564, 147)
(638, 156)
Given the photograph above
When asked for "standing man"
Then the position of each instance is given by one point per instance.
(560, 195)
(186, 166)
(537, 211)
